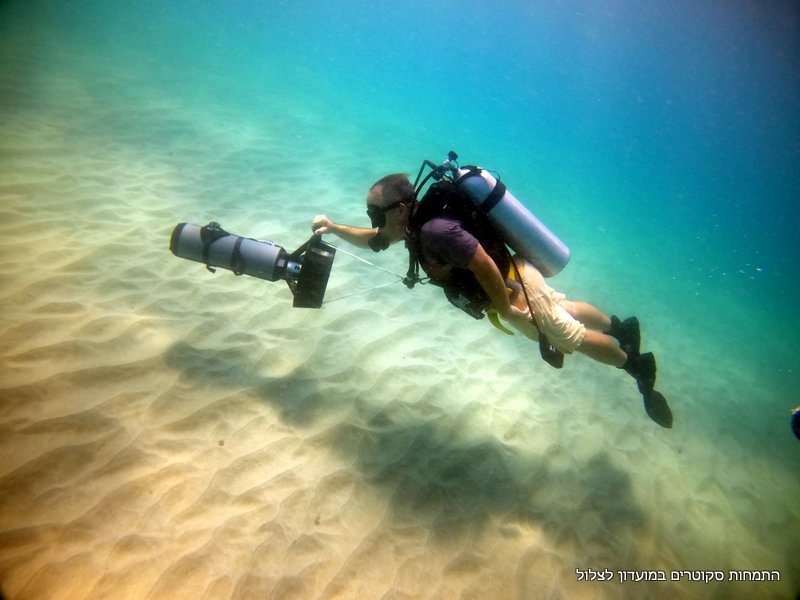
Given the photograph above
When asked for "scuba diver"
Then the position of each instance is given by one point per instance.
(465, 252)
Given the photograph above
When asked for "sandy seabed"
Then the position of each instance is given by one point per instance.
(169, 433)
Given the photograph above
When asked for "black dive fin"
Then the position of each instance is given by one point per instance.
(551, 355)
(657, 408)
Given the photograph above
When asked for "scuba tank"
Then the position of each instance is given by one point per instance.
(520, 229)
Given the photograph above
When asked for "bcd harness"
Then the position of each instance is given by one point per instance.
(444, 199)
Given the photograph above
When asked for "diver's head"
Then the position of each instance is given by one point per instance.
(389, 203)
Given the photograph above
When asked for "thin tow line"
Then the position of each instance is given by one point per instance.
(343, 251)
(359, 292)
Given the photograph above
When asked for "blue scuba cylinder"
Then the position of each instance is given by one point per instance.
(522, 231)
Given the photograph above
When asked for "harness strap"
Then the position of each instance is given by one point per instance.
(549, 353)
(412, 275)
(237, 260)
(208, 235)
(494, 197)
(472, 170)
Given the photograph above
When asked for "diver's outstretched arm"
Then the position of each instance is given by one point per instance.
(357, 236)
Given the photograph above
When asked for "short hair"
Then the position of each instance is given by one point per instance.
(390, 189)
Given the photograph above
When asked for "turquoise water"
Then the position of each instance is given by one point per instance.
(673, 128)
(664, 138)
(660, 141)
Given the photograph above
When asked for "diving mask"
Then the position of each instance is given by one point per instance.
(377, 214)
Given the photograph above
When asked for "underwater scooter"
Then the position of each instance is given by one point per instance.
(306, 270)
